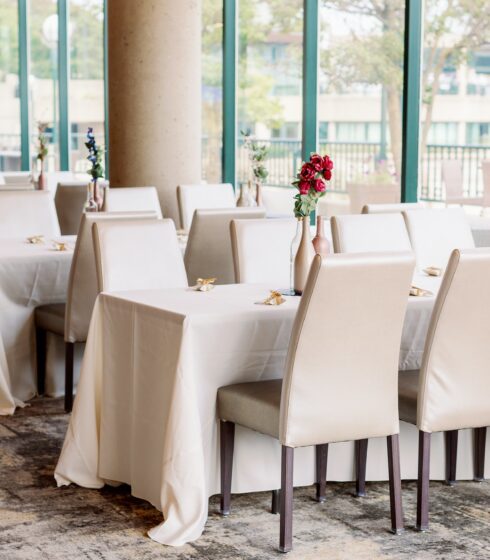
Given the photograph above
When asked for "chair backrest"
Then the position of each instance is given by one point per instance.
(390, 208)
(361, 194)
(485, 167)
(53, 178)
(138, 255)
(452, 178)
(69, 201)
(82, 283)
(261, 251)
(279, 200)
(200, 197)
(26, 213)
(454, 381)
(434, 233)
(341, 378)
(367, 233)
(16, 178)
(131, 199)
(208, 252)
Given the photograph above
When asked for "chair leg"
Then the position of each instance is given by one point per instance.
(395, 484)
(41, 360)
(227, 443)
(451, 456)
(361, 458)
(69, 358)
(321, 454)
(286, 521)
(480, 439)
(275, 501)
(423, 482)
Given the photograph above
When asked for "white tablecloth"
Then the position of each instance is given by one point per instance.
(145, 412)
(30, 275)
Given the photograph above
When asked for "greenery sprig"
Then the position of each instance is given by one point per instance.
(257, 154)
(95, 155)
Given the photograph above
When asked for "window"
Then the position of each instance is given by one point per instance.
(443, 133)
(478, 134)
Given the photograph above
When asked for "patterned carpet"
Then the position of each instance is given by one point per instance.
(39, 521)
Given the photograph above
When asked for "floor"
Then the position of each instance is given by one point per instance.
(40, 521)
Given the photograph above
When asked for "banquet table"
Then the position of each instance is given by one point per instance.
(145, 412)
(30, 275)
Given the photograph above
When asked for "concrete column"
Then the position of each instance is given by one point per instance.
(155, 95)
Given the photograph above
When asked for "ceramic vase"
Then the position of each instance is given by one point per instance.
(303, 258)
(99, 200)
(246, 198)
(41, 180)
(258, 193)
(320, 242)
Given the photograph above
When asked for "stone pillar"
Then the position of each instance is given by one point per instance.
(154, 49)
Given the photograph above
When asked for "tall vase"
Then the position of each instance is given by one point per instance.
(303, 258)
(246, 198)
(41, 180)
(320, 242)
(98, 195)
(258, 193)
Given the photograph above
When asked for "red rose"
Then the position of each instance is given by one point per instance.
(307, 172)
(327, 164)
(304, 187)
(327, 174)
(317, 162)
(319, 185)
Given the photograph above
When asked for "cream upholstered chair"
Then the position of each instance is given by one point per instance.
(485, 167)
(25, 213)
(138, 255)
(452, 178)
(261, 251)
(390, 208)
(200, 197)
(16, 178)
(53, 178)
(72, 320)
(208, 252)
(361, 233)
(434, 233)
(315, 403)
(70, 200)
(130, 199)
(450, 392)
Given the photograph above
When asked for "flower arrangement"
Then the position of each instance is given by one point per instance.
(42, 143)
(257, 154)
(94, 156)
(311, 184)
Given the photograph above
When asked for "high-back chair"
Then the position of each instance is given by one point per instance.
(70, 200)
(261, 251)
(208, 252)
(16, 178)
(390, 208)
(452, 178)
(200, 197)
(138, 255)
(71, 321)
(53, 178)
(330, 393)
(450, 392)
(434, 233)
(361, 233)
(131, 199)
(27, 213)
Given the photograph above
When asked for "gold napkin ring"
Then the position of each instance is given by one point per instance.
(36, 239)
(60, 246)
(433, 271)
(419, 292)
(205, 284)
(275, 298)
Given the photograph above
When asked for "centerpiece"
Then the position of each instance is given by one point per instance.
(42, 152)
(311, 184)
(258, 173)
(96, 171)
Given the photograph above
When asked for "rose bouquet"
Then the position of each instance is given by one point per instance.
(311, 184)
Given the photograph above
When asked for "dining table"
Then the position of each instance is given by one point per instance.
(31, 274)
(145, 412)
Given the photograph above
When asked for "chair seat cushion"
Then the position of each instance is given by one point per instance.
(254, 405)
(408, 387)
(51, 318)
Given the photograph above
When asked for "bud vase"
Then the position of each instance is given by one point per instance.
(258, 193)
(90, 204)
(246, 198)
(303, 258)
(97, 195)
(320, 242)
(41, 180)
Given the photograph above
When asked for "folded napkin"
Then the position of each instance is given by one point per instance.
(433, 271)
(204, 284)
(275, 298)
(60, 246)
(420, 292)
(36, 239)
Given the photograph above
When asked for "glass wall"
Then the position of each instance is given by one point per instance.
(43, 79)
(86, 87)
(455, 101)
(9, 87)
(212, 92)
(269, 76)
(361, 84)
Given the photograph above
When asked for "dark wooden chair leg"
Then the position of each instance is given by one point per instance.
(276, 496)
(41, 360)
(361, 458)
(321, 453)
(69, 358)
(227, 443)
(423, 482)
(395, 484)
(480, 439)
(451, 456)
(286, 521)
